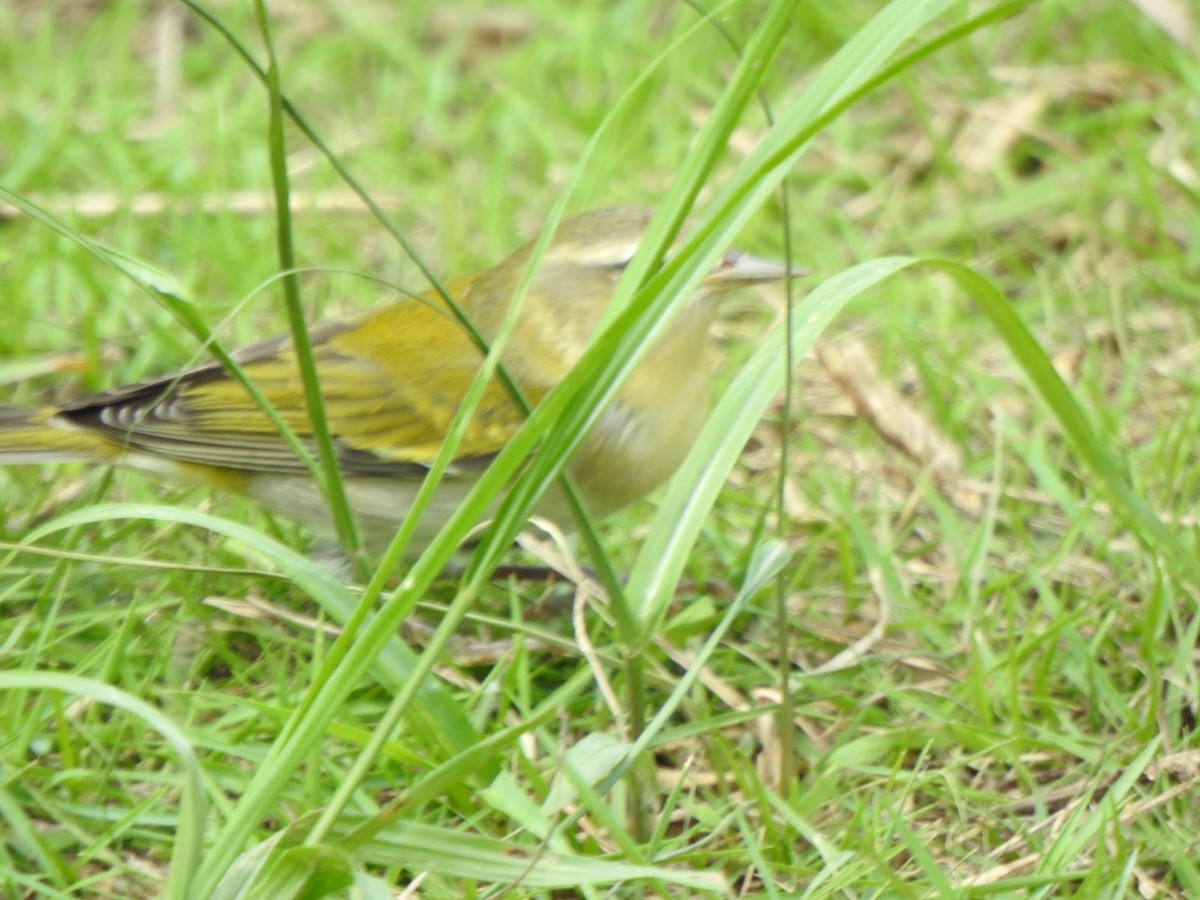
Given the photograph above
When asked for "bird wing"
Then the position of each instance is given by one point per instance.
(392, 381)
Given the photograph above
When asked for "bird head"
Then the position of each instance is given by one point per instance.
(574, 282)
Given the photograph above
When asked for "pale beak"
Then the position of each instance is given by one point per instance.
(740, 269)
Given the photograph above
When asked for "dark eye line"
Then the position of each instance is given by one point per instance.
(624, 264)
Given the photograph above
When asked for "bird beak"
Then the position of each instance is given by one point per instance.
(740, 269)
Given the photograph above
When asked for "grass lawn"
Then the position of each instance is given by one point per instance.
(935, 633)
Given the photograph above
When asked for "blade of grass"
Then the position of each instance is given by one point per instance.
(190, 833)
(682, 513)
(1054, 392)
(440, 717)
(331, 474)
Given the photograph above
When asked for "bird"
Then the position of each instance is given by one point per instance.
(392, 379)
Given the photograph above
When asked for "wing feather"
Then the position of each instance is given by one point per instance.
(392, 381)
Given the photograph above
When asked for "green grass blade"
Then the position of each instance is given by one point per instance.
(193, 818)
(1086, 444)
(693, 490)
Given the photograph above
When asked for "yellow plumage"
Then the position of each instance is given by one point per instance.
(392, 380)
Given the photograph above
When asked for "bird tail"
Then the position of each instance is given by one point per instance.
(31, 436)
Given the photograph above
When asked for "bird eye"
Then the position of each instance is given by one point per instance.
(623, 262)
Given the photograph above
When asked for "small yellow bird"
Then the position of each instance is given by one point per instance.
(392, 380)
